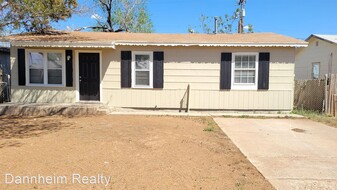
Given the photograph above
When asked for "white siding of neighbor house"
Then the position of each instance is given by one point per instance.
(315, 54)
(197, 66)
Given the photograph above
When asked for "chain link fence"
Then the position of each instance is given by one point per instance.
(309, 94)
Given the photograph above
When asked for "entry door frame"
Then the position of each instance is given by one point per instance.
(77, 76)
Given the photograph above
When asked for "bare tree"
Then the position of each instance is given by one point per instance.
(123, 15)
(226, 23)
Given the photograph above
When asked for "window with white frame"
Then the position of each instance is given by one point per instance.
(244, 71)
(315, 70)
(45, 68)
(142, 72)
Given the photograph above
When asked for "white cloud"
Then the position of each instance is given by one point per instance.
(96, 17)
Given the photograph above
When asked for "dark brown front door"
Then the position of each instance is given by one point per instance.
(89, 77)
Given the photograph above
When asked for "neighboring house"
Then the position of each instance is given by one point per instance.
(4, 71)
(4, 57)
(318, 59)
(225, 71)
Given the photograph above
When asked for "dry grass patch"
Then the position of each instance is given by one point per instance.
(317, 116)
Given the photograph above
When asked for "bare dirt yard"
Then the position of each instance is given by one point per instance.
(137, 152)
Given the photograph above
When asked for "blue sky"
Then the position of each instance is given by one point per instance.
(296, 18)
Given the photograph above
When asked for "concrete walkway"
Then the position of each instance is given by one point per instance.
(193, 113)
(94, 108)
(294, 154)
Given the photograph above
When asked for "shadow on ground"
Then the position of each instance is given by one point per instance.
(19, 128)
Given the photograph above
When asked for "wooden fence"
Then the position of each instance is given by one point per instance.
(331, 94)
(319, 95)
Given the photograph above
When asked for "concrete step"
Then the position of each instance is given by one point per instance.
(51, 109)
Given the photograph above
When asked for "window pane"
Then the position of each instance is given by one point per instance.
(142, 62)
(251, 73)
(251, 79)
(237, 64)
(252, 65)
(237, 61)
(237, 80)
(143, 78)
(36, 76)
(54, 76)
(244, 76)
(244, 73)
(36, 60)
(252, 58)
(238, 58)
(237, 73)
(54, 60)
(251, 61)
(244, 61)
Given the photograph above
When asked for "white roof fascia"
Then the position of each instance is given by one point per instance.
(114, 44)
(62, 44)
(213, 44)
(328, 38)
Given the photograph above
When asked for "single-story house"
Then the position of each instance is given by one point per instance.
(318, 59)
(209, 71)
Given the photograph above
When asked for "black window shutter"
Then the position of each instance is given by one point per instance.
(126, 69)
(69, 68)
(22, 67)
(264, 62)
(225, 71)
(158, 69)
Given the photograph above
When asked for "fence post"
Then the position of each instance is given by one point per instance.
(188, 97)
(335, 105)
(2, 86)
(326, 94)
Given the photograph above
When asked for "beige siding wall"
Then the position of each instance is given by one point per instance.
(198, 66)
(313, 54)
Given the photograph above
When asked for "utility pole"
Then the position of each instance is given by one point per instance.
(215, 25)
(241, 24)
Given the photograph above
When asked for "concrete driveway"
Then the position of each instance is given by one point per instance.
(291, 153)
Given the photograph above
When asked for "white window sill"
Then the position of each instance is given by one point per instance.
(45, 85)
(244, 87)
(142, 87)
